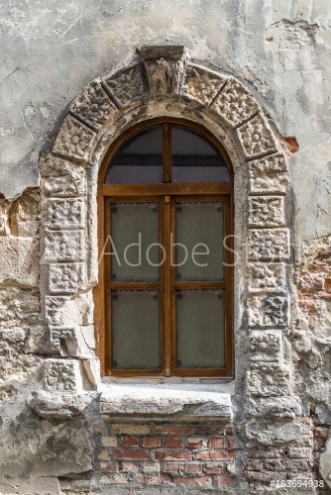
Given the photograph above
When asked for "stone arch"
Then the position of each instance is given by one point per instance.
(164, 82)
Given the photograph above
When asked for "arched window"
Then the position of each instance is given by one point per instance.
(165, 253)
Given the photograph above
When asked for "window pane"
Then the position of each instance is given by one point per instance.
(135, 330)
(194, 159)
(200, 329)
(199, 229)
(139, 161)
(135, 237)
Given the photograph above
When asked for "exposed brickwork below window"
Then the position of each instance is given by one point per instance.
(157, 453)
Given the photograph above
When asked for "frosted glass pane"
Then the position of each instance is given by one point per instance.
(200, 329)
(139, 161)
(134, 234)
(194, 159)
(135, 330)
(199, 229)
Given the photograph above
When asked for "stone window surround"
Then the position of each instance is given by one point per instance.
(163, 81)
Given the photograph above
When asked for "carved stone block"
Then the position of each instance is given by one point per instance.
(265, 345)
(56, 313)
(266, 277)
(269, 245)
(268, 311)
(64, 186)
(273, 407)
(65, 213)
(266, 211)
(63, 246)
(53, 166)
(235, 104)
(164, 66)
(66, 278)
(75, 140)
(268, 380)
(64, 311)
(60, 375)
(268, 175)
(256, 137)
(93, 106)
(127, 85)
(58, 334)
(202, 85)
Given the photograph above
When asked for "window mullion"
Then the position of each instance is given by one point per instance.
(166, 283)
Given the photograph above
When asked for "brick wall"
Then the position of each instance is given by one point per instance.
(157, 453)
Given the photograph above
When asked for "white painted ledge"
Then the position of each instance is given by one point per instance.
(164, 403)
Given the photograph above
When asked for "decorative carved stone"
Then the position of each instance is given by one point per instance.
(266, 277)
(270, 311)
(265, 345)
(268, 175)
(93, 106)
(66, 278)
(61, 375)
(164, 67)
(55, 310)
(235, 104)
(268, 380)
(266, 211)
(127, 85)
(58, 334)
(256, 137)
(65, 213)
(63, 246)
(75, 140)
(202, 85)
(269, 245)
(53, 166)
(273, 407)
(66, 186)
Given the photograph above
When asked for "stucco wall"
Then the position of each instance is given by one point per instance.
(51, 50)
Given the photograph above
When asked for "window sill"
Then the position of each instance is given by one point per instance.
(166, 400)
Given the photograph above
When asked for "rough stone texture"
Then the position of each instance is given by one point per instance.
(140, 400)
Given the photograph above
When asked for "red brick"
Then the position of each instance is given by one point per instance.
(224, 481)
(109, 468)
(170, 429)
(231, 454)
(128, 454)
(229, 430)
(170, 467)
(152, 442)
(168, 455)
(195, 442)
(216, 443)
(130, 442)
(153, 479)
(191, 468)
(211, 455)
(214, 468)
(199, 480)
(173, 443)
(231, 443)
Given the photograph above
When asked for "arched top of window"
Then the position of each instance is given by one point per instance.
(164, 153)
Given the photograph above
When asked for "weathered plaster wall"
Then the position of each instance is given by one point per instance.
(51, 50)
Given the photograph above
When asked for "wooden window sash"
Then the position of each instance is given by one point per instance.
(166, 194)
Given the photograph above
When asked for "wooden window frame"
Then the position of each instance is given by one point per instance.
(166, 194)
